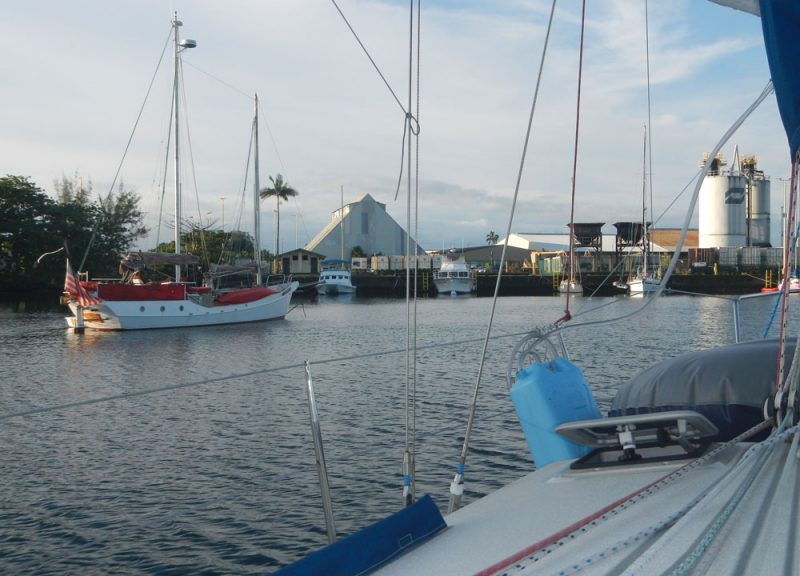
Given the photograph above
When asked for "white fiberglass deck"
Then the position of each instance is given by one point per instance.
(648, 536)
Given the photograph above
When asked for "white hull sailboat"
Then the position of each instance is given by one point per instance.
(695, 471)
(132, 304)
(643, 282)
(570, 287)
(187, 309)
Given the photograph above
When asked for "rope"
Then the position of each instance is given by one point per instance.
(687, 220)
(567, 316)
(456, 487)
(409, 454)
(127, 147)
(649, 116)
(374, 65)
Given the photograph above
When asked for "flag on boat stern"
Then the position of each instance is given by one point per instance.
(73, 286)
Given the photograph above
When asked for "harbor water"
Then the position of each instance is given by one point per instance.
(198, 458)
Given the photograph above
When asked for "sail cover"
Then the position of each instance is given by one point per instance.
(780, 20)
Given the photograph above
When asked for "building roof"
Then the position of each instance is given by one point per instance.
(302, 251)
(661, 240)
(492, 253)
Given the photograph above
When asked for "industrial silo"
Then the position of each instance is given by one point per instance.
(722, 207)
(758, 202)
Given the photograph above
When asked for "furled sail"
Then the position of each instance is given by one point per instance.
(780, 20)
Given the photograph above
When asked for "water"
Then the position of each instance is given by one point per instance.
(218, 476)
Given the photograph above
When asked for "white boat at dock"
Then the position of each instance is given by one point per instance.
(453, 277)
(335, 278)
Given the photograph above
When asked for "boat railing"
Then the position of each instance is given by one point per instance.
(278, 279)
(736, 310)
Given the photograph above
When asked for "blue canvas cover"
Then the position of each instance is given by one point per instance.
(367, 549)
(780, 20)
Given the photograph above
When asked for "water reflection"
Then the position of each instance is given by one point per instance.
(219, 476)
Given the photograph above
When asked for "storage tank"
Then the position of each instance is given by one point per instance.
(722, 207)
(758, 202)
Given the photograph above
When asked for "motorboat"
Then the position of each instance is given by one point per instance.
(335, 278)
(453, 277)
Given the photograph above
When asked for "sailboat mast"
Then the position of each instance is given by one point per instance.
(178, 46)
(645, 239)
(341, 223)
(256, 197)
(177, 160)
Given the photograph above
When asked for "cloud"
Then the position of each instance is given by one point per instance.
(333, 123)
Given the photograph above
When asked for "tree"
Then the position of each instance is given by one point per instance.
(281, 191)
(32, 223)
(120, 224)
(26, 226)
(73, 191)
(492, 237)
(357, 252)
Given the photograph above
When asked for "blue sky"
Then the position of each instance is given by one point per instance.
(76, 74)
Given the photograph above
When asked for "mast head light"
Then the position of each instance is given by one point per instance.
(187, 43)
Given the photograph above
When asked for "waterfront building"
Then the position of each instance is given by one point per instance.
(363, 223)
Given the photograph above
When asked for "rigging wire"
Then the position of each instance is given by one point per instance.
(571, 278)
(230, 377)
(457, 485)
(787, 381)
(410, 123)
(409, 455)
(164, 174)
(687, 220)
(649, 116)
(127, 146)
(374, 64)
(191, 161)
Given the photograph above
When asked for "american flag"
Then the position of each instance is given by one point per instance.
(73, 286)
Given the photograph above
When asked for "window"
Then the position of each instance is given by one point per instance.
(364, 223)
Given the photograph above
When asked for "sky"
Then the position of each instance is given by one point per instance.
(76, 75)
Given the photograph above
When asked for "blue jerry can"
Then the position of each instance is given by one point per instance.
(546, 395)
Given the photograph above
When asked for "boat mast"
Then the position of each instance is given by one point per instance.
(645, 238)
(178, 46)
(256, 197)
(341, 223)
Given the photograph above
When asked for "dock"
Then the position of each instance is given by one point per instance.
(392, 284)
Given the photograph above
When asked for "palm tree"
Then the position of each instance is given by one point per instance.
(492, 237)
(282, 191)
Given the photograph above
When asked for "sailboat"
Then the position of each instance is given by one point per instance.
(131, 303)
(570, 284)
(694, 472)
(643, 281)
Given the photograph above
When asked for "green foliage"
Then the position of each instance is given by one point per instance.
(492, 237)
(213, 246)
(32, 223)
(357, 252)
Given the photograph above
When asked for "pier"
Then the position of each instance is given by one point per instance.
(392, 284)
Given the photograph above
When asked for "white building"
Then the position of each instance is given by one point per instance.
(363, 223)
